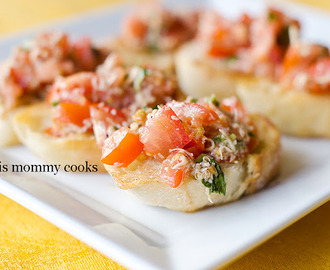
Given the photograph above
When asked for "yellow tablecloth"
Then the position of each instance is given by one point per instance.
(29, 242)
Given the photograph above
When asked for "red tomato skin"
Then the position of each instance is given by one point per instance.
(83, 54)
(173, 176)
(76, 88)
(233, 106)
(107, 114)
(320, 68)
(163, 132)
(72, 113)
(195, 146)
(122, 147)
(194, 114)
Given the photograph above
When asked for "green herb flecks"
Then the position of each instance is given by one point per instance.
(218, 183)
(55, 103)
(231, 58)
(140, 76)
(193, 100)
(272, 16)
(218, 139)
(212, 99)
(283, 38)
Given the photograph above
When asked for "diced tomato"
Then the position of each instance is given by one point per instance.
(275, 55)
(194, 114)
(245, 19)
(83, 55)
(320, 77)
(135, 27)
(301, 56)
(195, 146)
(163, 132)
(233, 106)
(72, 113)
(104, 116)
(122, 147)
(76, 88)
(219, 47)
(320, 68)
(228, 38)
(107, 114)
(291, 59)
(173, 169)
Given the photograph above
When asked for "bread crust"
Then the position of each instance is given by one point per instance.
(294, 112)
(163, 61)
(195, 71)
(30, 123)
(141, 178)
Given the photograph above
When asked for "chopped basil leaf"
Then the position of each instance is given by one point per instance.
(218, 139)
(251, 134)
(218, 183)
(55, 103)
(231, 58)
(153, 47)
(145, 108)
(155, 107)
(272, 16)
(213, 100)
(283, 38)
(115, 128)
(193, 100)
(96, 52)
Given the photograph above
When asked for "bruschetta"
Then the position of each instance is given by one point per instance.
(33, 66)
(189, 155)
(298, 102)
(62, 129)
(225, 51)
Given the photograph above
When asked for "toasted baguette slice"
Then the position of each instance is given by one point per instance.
(199, 75)
(250, 174)
(294, 112)
(163, 61)
(30, 124)
(8, 135)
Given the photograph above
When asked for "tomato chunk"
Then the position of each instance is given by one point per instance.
(72, 113)
(122, 147)
(173, 169)
(107, 114)
(77, 88)
(195, 146)
(83, 54)
(321, 68)
(163, 132)
(194, 114)
(233, 106)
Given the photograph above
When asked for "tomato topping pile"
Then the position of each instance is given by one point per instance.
(104, 100)
(155, 28)
(38, 62)
(177, 133)
(266, 46)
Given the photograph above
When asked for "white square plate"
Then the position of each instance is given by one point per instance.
(93, 209)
